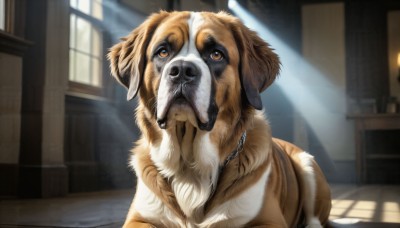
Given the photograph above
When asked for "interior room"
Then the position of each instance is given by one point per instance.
(67, 129)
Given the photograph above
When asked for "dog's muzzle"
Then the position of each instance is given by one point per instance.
(181, 90)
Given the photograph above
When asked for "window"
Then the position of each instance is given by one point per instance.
(9, 9)
(2, 15)
(85, 45)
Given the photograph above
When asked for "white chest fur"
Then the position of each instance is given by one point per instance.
(190, 162)
(233, 213)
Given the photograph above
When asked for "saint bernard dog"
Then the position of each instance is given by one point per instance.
(206, 157)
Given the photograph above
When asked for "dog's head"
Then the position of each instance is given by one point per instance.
(190, 66)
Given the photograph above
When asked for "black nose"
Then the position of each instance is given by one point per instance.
(183, 71)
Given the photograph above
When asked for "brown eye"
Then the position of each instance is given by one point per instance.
(163, 53)
(216, 55)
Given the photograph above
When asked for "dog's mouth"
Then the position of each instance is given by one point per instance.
(182, 107)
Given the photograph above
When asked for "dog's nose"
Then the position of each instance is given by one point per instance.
(183, 71)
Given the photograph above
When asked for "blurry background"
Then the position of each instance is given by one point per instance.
(66, 127)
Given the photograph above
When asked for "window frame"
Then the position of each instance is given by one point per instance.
(84, 88)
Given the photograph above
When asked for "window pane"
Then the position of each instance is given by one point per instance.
(82, 68)
(96, 43)
(83, 35)
(97, 10)
(96, 72)
(84, 6)
(2, 14)
(73, 3)
(72, 35)
(72, 61)
(86, 44)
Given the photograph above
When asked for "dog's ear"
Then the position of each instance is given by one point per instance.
(259, 65)
(128, 58)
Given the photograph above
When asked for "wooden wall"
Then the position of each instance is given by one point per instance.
(10, 120)
(98, 140)
(366, 49)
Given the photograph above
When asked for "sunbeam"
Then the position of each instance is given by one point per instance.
(319, 99)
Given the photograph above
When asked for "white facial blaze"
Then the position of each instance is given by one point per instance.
(188, 53)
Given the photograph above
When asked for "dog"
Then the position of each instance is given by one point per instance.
(206, 157)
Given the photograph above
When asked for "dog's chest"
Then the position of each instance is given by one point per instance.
(191, 170)
(192, 192)
(190, 164)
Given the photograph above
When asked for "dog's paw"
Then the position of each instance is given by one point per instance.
(314, 226)
(314, 223)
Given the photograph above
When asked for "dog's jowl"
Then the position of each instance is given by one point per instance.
(206, 157)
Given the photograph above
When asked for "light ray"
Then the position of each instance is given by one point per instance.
(318, 98)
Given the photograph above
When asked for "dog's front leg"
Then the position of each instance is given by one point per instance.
(137, 224)
(133, 220)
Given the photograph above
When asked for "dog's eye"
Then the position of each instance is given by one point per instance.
(163, 53)
(216, 55)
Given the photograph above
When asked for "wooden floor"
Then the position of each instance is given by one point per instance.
(366, 206)
(374, 206)
(100, 209)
